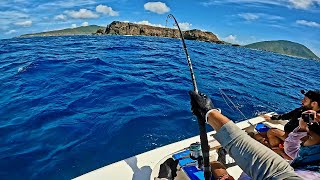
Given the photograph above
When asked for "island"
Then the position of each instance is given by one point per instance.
(284, 47)
(126, 28)
(83, 30)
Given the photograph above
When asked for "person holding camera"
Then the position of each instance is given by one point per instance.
(305, 154)
(311, 101)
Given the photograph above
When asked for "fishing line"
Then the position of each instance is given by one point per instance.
(225, 98)
(226, 102)
(236, 107)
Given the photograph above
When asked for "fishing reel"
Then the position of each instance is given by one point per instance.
(196, 154)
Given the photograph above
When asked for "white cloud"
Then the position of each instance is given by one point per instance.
(7, 18)
(272, 17)
(249, 16)
(185, 26)
(11, 32)
(73, 25)
(82, 14)
(60, 17)
(66, 4)
(231, 38)
(308, 23)
(106, 10)
(244, 2)
(145, 22)
(85, 24)
(302, 4)
(13, 14)
(298, 4)
(256, 16)
(24, 23)
(277, 26)
(157, 7)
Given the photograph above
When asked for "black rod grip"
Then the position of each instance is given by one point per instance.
(205, 149)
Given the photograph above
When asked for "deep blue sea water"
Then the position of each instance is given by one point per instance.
(70, 105)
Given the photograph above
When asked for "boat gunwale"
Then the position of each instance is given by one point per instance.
(123, 170)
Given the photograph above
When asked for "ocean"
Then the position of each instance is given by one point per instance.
(73, 104)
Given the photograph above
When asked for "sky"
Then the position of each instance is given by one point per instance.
(235, 21)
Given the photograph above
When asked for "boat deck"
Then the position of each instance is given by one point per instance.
(142, 166)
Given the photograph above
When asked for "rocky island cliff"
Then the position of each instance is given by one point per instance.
(125, 28)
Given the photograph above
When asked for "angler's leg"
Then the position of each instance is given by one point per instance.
(275, 136)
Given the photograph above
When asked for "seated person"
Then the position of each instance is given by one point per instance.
(311, 101)
(219, 171)
(305, 155)
(293, 146)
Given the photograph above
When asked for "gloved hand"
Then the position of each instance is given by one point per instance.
(200, 104)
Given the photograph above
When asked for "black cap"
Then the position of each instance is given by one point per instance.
(312, 95)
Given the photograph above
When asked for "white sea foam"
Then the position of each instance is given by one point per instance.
(24, 68)
(21, 69)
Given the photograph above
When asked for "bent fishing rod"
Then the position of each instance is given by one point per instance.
(201, 122)
(193, 78)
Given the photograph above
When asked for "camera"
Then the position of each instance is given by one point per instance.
(308, 117)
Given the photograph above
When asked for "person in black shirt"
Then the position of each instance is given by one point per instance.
(311, 101)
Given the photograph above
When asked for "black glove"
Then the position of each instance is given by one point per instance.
(200, 104)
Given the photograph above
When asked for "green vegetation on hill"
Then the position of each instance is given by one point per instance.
(83, 30)
(284, 47)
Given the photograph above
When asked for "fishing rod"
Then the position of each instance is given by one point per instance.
(201, 122)
(193, 78)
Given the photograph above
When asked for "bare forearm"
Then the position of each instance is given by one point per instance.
(217, 120)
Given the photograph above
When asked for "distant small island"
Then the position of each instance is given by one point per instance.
(83, 30)
(284, 47)
(126, 28)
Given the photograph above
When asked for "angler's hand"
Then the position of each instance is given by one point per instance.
(303, 126)
(200, 104)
